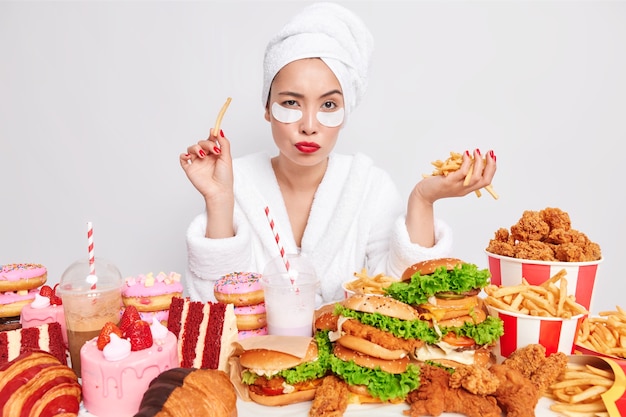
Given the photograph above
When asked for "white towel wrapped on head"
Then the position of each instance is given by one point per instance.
(330, 32)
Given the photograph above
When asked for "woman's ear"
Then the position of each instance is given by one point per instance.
(267, 112)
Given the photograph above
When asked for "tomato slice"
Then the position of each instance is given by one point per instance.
(272, 391)
(454, 340)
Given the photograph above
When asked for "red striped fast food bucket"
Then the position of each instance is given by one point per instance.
(556, 334)
(581, 276)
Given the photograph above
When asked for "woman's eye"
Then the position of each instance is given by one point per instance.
(289, 103)
(329, 105)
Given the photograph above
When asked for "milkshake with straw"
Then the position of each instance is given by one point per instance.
(91, 291)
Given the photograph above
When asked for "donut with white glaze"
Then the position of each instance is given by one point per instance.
(239, 288)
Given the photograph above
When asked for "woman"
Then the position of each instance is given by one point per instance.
(341, 211)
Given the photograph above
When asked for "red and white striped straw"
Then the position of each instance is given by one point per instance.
(92, 259)
(277, 238)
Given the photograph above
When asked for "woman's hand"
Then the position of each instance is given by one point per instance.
(208, 165)
(436, 187)
(420, 219)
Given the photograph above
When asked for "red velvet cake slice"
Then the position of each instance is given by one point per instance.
(206, 333)
(47, 337)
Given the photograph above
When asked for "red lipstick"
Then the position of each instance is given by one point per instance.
(307, 147)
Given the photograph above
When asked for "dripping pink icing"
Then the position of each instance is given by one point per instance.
(238, 283)
(149, 285)
(15, 272)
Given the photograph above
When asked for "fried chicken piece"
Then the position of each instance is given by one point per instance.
(549, 371)
(331, 398)
(527, 360)
(382, 338)
(516, 394)
(556, 218)
(536, 250)
(530, 227)
(475, 379)
(435, 396)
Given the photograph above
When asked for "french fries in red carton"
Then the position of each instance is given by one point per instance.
(590, 386)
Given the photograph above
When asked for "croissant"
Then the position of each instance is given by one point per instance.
(189, 392)
(36, 383)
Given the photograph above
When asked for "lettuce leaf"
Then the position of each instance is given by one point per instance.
(464, 277)
(485, 333)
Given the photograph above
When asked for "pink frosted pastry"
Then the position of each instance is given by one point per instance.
(239, 288)
(40, 311)
(251, 317)
(115, 378)
(151, 293)
(19, 277)
(244, 334)
(12, 302)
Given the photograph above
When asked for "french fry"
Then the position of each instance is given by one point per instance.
(220, 116)
(365, 284)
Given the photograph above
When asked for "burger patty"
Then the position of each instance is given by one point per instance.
(380, 337)
(262, 384)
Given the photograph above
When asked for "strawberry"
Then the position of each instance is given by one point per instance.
(46, 291)
(105, 334)
(130, 316)
(139, 335)
(55, 300)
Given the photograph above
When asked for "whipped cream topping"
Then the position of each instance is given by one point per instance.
(157, 329)
(117, 349)
(40, 302)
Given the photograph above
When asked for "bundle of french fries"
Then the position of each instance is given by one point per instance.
(453, 163)
(365, 284)
(605, 334)
(550, 299)
(577, 391)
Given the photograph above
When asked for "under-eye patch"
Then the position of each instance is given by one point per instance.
(331, 119)
(285, 115)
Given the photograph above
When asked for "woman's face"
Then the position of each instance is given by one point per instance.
(306, 111)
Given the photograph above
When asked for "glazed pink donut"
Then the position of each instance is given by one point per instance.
(243, 334)
(239, 288)
(12, 302)
(250, 317)
(151, 293)
(20, 277)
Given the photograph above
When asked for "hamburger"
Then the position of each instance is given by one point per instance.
(277, 378)
(445, 292)
(371, 345)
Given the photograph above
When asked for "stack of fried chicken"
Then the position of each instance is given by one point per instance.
(544, 235)
(511, 388)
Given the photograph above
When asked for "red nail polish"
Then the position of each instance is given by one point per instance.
(221, 133)
(186, 154)
(201, 152)
(492, 155)
(477, 151)
(467, 153)
(217, 150)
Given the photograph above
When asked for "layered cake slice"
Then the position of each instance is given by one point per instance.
(47, 337)
(206, 333)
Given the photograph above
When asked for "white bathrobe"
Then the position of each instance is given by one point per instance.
(356, 221)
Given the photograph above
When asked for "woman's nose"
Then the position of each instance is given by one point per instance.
(309, 124)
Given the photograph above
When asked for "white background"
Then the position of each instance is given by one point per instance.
(98, 99)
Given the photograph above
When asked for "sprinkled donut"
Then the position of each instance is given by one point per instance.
(20, 277)
(239, 288)
(244, 334)
(251, 317)
(149, 293)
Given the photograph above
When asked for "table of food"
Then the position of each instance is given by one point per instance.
(447, 337)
